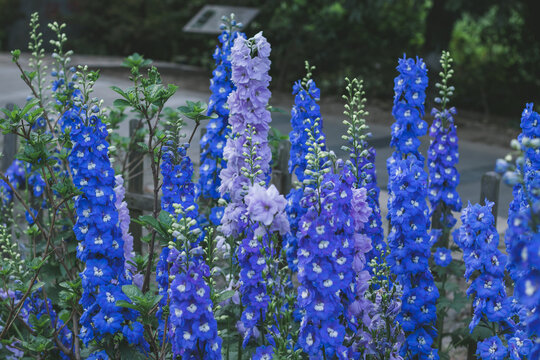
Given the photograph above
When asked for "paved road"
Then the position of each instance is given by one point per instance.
(475, 158)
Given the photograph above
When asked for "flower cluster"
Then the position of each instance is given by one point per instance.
(266, 214)
(21, 175)
(443, 152)
(410, 246)
(177, 188)
(177, 171)
(193, 328)
(409, 95)
(217, 130)
(362, 160)
(101, 246)
(326, 256)
(63, 84)
(305, 115)
(486, 264)
(250, 122)
(373, 228)
(408, 240)
(522, 236)
(255, 210)
(442, 159)
(124, 221)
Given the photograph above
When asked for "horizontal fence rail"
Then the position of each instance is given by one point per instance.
(139, 202)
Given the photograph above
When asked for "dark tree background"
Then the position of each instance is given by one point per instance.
(495, 43)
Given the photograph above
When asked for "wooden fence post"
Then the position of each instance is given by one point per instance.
(280, 173)
(283, 159)
(135, 184)
(9, 150)
(489, 190)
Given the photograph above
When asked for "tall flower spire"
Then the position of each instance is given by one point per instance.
(485, 263)
(304, 115)
(101, 246)
(329, 247)
(362, 161)
(522, 236)
(255, 211)
(217, 130)
(408, 239)
(443, 152)
(249, 118)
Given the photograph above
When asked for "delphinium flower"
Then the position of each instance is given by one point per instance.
(124, 221)
(479, 241)
(101, 246)
(98, 355)
(362, 160)
(63, 85)
(213, 141)
(262, 212)
(442, 257)
(410, 245)
(327, 245)
(443, 153)
(408, 240)
(263, 353)
(409, 95)
(247, 148)
(247, 104)
(304, 114)
(177, 188)
(443, 157)
(248, 117)
(21, 175)
(256, 211)
(193, 328)
(522, 236)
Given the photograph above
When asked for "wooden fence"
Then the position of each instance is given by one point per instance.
(138, 202)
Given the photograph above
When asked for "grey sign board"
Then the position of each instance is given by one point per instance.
(208, 19)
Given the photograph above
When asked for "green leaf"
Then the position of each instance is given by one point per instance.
(132, 291)
(136, 61)
(127, 304)
(224, 295)
(165, 218)
(119, 91)
(147, 220)
(121, 103)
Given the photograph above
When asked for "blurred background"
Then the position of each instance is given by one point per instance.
(495, 43)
